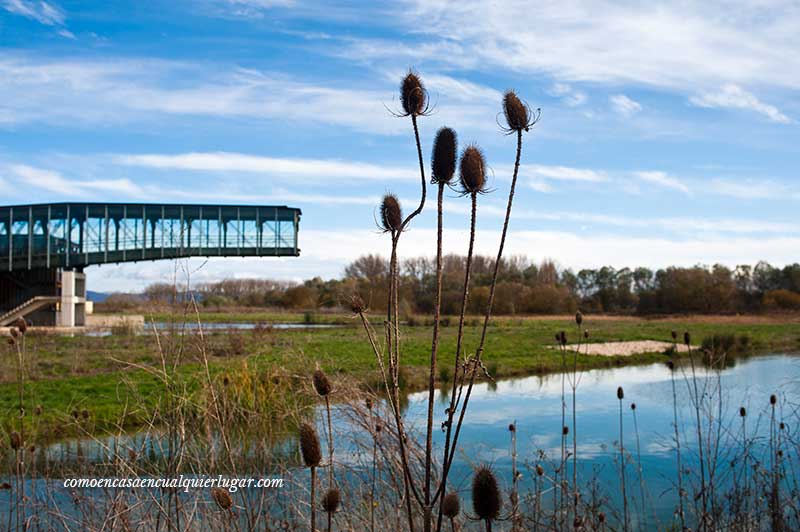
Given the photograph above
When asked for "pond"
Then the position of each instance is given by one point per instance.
(534, 404)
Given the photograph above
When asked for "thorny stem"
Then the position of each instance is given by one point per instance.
(479, 351)
(678, 447)
(459, 339)
(622, 471)
(434, 351)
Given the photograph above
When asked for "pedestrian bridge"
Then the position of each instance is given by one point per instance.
(39, 241)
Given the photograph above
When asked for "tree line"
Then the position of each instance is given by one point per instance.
(523, 287)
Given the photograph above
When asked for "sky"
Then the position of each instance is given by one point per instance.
(668, 134)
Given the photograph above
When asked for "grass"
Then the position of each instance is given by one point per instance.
(107, 374)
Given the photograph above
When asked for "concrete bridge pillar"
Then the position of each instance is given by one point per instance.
(72, 304)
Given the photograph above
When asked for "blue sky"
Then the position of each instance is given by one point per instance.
(669, 131)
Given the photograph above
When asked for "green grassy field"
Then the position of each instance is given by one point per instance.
(117, 377)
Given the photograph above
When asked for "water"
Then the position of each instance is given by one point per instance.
(218, 326)
(534, 403)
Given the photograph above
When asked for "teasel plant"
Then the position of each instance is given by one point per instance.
(625, 520)
(473, 173)
(486, 497)
(574, 381)
(17, 342)
(312, 458)
(681, 491)
(518, 119)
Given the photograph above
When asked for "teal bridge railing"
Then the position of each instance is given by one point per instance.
(68, 235)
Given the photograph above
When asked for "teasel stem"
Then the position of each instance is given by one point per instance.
(434, 351)
(459, 342)
(490, 302)
(374, 472)
(313, 499)
(696, 400)
(642, 490)
(330, 443)
(421, 173)
(677, 445)
(622, 471)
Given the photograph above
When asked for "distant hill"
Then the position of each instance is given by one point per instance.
(96, 297)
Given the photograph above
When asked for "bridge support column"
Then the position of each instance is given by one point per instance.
(72, 305)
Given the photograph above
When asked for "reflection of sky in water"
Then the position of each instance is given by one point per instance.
(534, 402)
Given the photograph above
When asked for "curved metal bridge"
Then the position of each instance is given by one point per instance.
(38, 241)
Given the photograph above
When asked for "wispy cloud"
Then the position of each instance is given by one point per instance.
(568, 94)
(273, 166)
(734, 97)
(56, 182)
(539, 175)
(43, 12)
(624, 105)
(663, 180)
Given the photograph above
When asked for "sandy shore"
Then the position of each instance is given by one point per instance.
(608, 349)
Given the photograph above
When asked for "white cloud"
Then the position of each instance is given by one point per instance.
(624, 105)
(43, 12)
(753, 189)
(569, 95)
(273, 166)
(674, 45)
(55, 182)
(663, 180)
(734, 97)
(538, 175)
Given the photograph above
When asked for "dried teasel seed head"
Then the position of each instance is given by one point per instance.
(516, 112)
(368, 403)
(687, 339)
(15, 440)
(391, 214)
(445, 152)
(222, 498)
(413, 95)
(75, 414)
(14, 332)
(601, 517)
(674, 334)
(85, 414)
(226, 381)
(563, 338)
(5, 486)
(512, 427)
(486, 499)
(473, 170)
(742, 412)
(32, 449)
(378, 427)
(38, 411)
(565, 430)
(451, 505)
(578, 317)
(331, 500)
(357, 304)
(558, 338)
(773, 399)
(11, 340)
(586, 334)
(539, 470)
(620, 393)
(782, 425)
(321, 383)
(309, 446)
(670, 365)
(22, 325)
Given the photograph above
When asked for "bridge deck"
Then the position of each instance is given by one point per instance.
(82, 234)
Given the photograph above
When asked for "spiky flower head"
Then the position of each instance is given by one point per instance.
(586, 334)
(222, 498)
(620, 393)
(485, 494)
(357, 304)
(309, 445)
(674, 334)
(331, 500)
(578, 317)
(15, 440)
(516, 112)
(773, 399)
(742, 412)
(512, 427)
(633, 406)
(563, 338)
(451, 505)
(321, 383)
(391, 214)
(473, 170)
(565, 430)
(413, 95)
(22, 325)
(687, 338)
(539, 470)
(445, 152)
